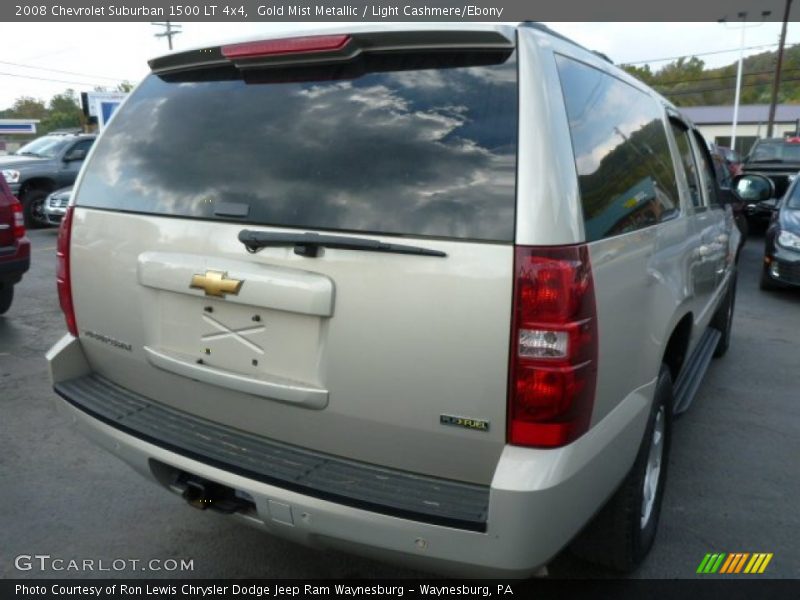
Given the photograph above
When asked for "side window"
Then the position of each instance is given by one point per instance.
(79, 150)
(721, 170)
(684, 144)
(706, 170)
(625, 170)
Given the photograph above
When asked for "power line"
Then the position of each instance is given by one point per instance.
(5, 62)
(49, 79)
(652, 60)
(754, 73)
(718, 89)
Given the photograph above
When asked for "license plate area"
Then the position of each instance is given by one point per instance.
(252, 341)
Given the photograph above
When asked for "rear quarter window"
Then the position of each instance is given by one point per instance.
(625, 171)
(425, 148)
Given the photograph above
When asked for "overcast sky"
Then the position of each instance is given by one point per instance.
(107, 53)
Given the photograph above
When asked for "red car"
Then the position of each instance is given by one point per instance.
(732, 159)
(15, 249)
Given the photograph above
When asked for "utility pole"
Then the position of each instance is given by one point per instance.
(742, 16)
(776, 82)
(171, 30)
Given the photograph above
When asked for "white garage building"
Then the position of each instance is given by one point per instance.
(714, 122)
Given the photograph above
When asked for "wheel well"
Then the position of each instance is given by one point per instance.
(48, 185)
(678, 344)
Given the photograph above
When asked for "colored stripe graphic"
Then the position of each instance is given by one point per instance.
(703, 563)
(740, 563)
(735, 562)
(763, 566)
(711, 563)
(727, 564)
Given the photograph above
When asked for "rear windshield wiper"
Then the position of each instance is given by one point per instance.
(308, 244)
(767, 160)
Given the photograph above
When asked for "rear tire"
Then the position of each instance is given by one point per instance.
(6, 297)
(622, 533)
(33, 207)
(723, 319)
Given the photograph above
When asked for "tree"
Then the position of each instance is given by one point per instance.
(64, 112)
(26, 107)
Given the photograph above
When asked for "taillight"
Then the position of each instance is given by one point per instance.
(553, 367)
(63, 281)
(18, 220)
(297, 45)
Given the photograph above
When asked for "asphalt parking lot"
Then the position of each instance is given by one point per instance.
(734, 478)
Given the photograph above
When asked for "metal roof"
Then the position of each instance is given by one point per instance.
(748, 113)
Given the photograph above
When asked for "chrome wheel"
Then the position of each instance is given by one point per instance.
(652, 471)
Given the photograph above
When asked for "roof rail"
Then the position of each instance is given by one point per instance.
(544, 28)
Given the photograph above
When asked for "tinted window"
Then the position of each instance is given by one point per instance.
(425, 148)
(721, 169)
(689, 166)
(775, 151)
(706, 170)
(82, 145)
(625, 171)
(793, 201)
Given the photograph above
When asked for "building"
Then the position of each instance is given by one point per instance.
(714, 122)
(11, 129)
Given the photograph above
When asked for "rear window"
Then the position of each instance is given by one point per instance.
(776, 151)
(427, 148)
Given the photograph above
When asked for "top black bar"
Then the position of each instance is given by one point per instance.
(385, 10)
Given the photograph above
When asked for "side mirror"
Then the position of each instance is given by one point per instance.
(74, 155)
(752, 188)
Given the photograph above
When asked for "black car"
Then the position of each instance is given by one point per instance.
(43, 166)
(779, 160)
(781, 266)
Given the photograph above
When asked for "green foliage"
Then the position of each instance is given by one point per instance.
(687, 82)
(63, 111)
(26, 107)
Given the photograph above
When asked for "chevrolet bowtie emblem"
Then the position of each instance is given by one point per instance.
(216, 283)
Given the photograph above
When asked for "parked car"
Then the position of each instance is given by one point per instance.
(778, 159)
(728, 195)
(38, 168)
(15, 249)
(431, 295)
(781, 265)
(56, 205)
(733, 161)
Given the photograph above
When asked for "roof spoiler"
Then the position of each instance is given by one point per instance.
(328, 49)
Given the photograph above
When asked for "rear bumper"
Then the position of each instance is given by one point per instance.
(14, 261)
(537, 502)
(53, 215)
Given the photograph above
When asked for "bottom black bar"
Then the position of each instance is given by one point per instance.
(732, 588)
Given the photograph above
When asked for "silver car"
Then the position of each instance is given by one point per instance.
(428, 293)
(55, 205)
